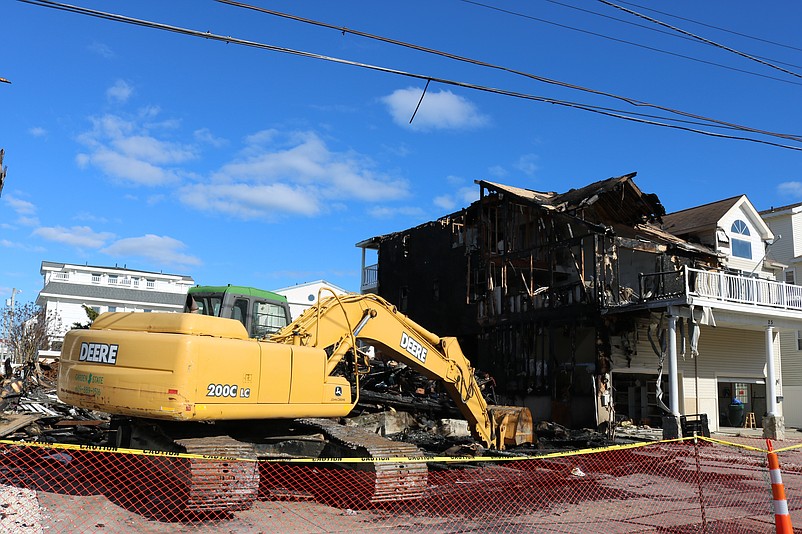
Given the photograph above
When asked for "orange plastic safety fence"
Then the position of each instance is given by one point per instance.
(678, 487)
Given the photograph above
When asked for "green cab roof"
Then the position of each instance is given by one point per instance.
(238, 290)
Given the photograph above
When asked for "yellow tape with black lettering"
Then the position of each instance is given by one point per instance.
(385, 459)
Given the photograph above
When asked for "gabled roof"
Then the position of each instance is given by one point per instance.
(699, 217)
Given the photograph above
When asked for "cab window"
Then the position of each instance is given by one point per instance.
(267, 319)
(240, 311)
(208, 305)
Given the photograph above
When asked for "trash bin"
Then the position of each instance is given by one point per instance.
(735, 414)
(696, 422)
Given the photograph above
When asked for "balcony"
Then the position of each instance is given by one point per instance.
(719, 288)
(370, 279)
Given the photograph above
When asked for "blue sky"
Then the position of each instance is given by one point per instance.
(159, 151)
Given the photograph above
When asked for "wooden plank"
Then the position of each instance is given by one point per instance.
(12, 422)
(78, 422)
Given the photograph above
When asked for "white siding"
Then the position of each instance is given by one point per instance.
(796, 234)
(723, 352)
(792, 378)
(754, 238)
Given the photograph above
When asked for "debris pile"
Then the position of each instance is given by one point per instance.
(31, 410)
(395, 402)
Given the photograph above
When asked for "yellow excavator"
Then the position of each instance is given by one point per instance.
(198, 384)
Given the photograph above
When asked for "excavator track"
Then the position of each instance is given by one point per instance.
(223, 482)
(394, 481)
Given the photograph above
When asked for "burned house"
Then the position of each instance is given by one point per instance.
(571, 300)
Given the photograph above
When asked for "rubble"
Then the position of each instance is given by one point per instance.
(394, 402)
(31, 410)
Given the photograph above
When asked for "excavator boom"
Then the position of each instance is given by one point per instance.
(339, 322)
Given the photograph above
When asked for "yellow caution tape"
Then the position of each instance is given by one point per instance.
(383, 459)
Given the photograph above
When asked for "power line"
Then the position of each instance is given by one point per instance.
(477, 62)
(631, 43)
(232, 40)
(702, 39)
(656, 30)
(713, 27)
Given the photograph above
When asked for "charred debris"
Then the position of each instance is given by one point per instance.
(395, 402)
(543, 289)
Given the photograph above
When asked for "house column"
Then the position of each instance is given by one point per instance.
(362, 272)
(771, 380)
(672, 427)
(673, 379)
(773, 423)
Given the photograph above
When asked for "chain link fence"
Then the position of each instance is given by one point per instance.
(683, 486)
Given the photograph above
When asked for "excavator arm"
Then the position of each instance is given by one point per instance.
(338, 322)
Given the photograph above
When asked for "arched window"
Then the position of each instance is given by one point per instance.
(741, 245)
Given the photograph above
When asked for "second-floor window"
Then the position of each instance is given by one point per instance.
(741, 245)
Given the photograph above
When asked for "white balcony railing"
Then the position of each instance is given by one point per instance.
(370, 277)
(734, 288)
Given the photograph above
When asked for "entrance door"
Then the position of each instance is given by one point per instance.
(738, 397)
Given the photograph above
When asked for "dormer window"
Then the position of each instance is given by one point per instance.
(741, 245)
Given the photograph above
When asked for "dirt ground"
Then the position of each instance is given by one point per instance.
(664, 498)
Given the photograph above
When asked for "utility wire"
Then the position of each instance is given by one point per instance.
(623, 41)
(448, 55)
(228, 39)
(653, 29)
(775, 43)
(704, 40)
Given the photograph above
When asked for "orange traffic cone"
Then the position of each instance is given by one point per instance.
(782, 520)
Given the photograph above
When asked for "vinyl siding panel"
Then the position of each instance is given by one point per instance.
(723, 352)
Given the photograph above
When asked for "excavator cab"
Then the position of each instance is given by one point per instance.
(261, 312)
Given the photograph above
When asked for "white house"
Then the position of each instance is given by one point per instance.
(67, 287)
(302, 296)
(786, 223)
(733, 317)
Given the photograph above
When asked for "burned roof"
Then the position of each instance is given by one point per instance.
(692, 219)
(612, 200)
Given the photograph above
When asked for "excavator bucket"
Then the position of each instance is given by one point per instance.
(513, 425)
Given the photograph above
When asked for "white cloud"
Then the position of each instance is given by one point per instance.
(101, 49)
(22, 207)
(28, 221)
(497, 171)
(126, 150)
(527, 164)
(37, 131)
(121, 91)
(460, 198)
(162, 250)
(385, 212)
(291, 173)
(25, 210)
(77, 236)
(248, 201)
(790, 188)
(438, 110)
(445, 202)
(22, 246)
(85, 216)
(204, 135)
